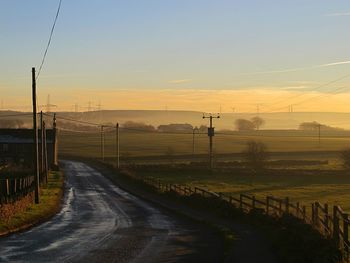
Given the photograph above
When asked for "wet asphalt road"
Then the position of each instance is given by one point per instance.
(99, 222)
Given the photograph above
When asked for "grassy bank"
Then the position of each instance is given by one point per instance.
(305, 186)
(291, 240)
(50, 200)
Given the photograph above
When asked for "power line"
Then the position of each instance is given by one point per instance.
(303, 94)
(77, 121)
(49, 41)
(333, 92)
(113, 127)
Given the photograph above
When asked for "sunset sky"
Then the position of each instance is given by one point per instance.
(179, 54)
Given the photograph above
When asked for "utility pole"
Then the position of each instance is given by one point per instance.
(211, 135)
(319, 134)
(45, 161)
(102, 144)
(41, 145)
(193, 144)
(35, 139)
(117, 145)
(55, 141)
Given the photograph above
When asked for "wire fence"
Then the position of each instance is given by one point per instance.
(332, 224)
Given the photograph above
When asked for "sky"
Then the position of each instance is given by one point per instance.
(178, 54)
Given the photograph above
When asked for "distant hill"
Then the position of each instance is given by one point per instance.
(158, 117)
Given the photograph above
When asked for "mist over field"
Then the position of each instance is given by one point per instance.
(273, 121)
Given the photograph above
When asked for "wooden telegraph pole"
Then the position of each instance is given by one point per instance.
(117, 145)
(35, 139)
(319, 134)
(211, 135)
(102, 144)
(54, 127)
(45, 161)
(41, 146)
(193, 142)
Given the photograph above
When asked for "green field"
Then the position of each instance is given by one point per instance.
(305, 183)
(332, 186)
(136, 144)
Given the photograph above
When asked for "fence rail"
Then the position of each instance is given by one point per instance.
(13, 189)
(331, 224)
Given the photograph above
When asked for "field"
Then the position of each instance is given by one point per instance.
(326, 182)
(305, 186)
(137, 144)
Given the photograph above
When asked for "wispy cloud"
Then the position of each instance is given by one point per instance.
(179, 81)
(339, 14)
(295, 88)
(335, 64)
(301, 68)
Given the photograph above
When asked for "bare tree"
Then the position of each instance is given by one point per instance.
(244, 125)
(258, 122)
(256, 156)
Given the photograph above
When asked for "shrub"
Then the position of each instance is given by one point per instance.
(256, 156)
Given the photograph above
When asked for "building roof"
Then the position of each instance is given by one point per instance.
(23, 136)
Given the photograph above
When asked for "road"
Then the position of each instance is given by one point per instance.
(100, 222)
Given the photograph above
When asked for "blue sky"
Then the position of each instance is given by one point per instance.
(107, 45)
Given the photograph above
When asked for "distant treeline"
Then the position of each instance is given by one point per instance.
(173, 127)
(313, 126)
(136, 126)
(254, 123)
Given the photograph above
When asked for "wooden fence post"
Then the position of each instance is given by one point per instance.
(280, 211)
(287, 205)
(240, 201)
(267, 204)
(7, 187)
(346, 231)
(304, 213)
(313, 213)
(298, 209)
(317, 205)
(326, 216)
(335, 226)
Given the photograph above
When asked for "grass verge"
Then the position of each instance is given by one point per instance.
(50, 202)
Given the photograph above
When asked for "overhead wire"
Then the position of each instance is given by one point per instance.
(49, 41)
(303, 94)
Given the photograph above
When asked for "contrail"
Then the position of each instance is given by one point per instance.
(300, 69)
(339, 14)
(335, 64)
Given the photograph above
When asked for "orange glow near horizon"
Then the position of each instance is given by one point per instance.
(268, 100)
